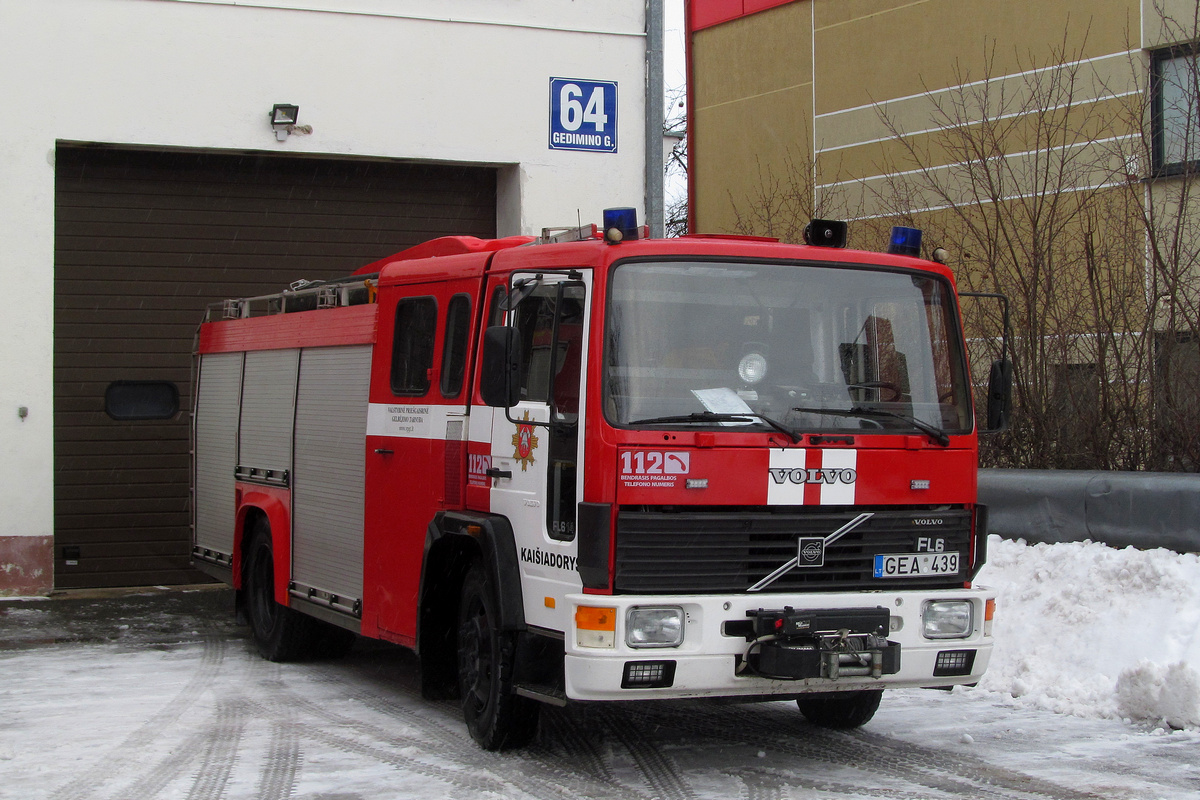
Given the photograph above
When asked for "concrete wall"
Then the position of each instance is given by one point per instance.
(410, 79)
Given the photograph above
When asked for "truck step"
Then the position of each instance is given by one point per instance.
(544, 694)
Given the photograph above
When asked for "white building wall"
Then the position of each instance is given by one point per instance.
(463, 81)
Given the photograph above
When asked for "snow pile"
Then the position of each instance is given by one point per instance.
(1087, 630)
(1170, 694)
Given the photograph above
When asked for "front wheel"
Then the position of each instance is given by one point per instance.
(496, 718)
(840, 710)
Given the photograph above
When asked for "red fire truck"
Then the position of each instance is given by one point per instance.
(596, 467)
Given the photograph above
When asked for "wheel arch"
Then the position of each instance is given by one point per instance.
(255, 506)
(453, 542)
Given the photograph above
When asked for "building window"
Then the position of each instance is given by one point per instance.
(135, 400)
(1176, 118)
(412, 345)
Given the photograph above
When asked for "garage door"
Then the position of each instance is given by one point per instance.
(143, 241)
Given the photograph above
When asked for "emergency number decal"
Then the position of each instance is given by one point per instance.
(477, 466)
(655, 469)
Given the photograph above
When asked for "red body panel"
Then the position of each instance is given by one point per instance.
(882, 475)
(425, 471)
(339, 326)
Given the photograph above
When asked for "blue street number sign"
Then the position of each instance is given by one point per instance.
(583, 115)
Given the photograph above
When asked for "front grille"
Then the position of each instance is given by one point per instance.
(708, 551)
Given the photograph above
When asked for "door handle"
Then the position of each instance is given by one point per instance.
(383, 451)
(493, 472)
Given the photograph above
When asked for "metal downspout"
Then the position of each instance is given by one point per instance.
(655, 214)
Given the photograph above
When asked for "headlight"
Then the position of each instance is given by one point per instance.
(752, 368)
(947, 619)
(654, 626)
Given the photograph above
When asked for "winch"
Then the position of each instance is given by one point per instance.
(793, 644)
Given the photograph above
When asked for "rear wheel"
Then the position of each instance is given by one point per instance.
(496, 717)
(280, 633)
(840, 710)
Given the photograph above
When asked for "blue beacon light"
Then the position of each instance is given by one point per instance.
(620, 224)
(905, 241)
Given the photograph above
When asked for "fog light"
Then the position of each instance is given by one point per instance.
(954, 662)
(648, 674)
(947, 619)
(654, 626)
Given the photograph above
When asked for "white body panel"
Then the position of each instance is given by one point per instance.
(548, 563)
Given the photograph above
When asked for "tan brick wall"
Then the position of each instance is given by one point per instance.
(762, 107)
(751, 106)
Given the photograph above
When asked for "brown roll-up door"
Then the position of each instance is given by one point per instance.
(143, 241)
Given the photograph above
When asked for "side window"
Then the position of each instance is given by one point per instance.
(412, 345)
(535, 328)
(495, 312)
(549, 324)
(454, 351)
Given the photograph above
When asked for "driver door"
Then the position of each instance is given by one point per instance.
(537, 445)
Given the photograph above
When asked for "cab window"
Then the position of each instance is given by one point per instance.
(412, 345)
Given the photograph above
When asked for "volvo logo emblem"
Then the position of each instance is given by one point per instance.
(811, 552)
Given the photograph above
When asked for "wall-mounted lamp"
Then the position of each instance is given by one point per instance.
(283, 119)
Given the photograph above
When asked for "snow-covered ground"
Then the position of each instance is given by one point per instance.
(1092, 693)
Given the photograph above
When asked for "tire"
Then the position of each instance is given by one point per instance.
(496, 718)
(840, 710)
(280, 633)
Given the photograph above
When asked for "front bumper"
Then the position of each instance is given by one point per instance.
(710, 660)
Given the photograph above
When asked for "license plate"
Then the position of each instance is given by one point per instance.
(915, 565)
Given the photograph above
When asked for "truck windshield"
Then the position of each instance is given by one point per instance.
(811, 348)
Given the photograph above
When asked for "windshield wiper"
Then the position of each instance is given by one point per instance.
(713, 416)
(937, 434)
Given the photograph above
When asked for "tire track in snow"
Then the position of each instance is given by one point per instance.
(131, 751)
(277, 778)
(222, 743)
(772, 729)
(565, 741)
(658, 770)
(531, 771)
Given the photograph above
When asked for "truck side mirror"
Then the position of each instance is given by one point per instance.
(999, 406)
(500, 383)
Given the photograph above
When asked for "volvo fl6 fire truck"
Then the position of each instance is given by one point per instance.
(604, 469)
